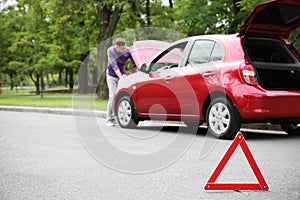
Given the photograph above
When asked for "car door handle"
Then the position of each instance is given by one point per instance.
(169, 78)
(208, 74)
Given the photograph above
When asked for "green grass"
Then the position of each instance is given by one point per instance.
(26, 98)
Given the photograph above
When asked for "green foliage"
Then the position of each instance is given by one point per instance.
(46, 36)
(197, 17)
(8, 26)
(248, 6)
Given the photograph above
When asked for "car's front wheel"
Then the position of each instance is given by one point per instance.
(221, 119)
(291, 128)
(126, 114)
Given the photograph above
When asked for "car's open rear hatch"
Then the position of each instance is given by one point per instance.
(276, 67)
(274, 19)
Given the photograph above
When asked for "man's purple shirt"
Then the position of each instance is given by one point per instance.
(117, 60)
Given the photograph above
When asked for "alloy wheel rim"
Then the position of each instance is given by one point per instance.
(219, 118)
(124, 113)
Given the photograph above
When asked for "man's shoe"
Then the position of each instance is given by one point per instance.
(110, 123)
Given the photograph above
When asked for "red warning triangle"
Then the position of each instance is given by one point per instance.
(261, 185)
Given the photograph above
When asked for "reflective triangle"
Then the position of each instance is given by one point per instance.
(261, 185)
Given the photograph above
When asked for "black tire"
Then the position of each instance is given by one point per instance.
(291, 128)
(222, 122)
(126, 113)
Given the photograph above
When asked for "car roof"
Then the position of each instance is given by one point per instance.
(146, 51)
(216, 37)
(231, 43)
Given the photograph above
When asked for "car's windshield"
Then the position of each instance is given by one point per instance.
(169, 58)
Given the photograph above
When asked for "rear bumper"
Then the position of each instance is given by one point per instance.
(270, 105)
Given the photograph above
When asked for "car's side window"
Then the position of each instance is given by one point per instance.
(205, 51)
(201, 51)
(217, 53)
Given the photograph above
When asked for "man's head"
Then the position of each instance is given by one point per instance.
(120, 45)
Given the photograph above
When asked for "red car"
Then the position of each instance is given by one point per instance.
(222, 80)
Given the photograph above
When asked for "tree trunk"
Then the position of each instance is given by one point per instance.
(102, 89)
(42, 85)
(171, 5)
(36, 82)
(148, 21)
(71, 79)
(66, 77)
(235, 22)
(47, 80)
(108, 17)
(54, 83)
(83, 75)
(94, 77)
(12, 84)
(60, 77)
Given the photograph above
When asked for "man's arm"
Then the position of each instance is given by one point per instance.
(112, 61)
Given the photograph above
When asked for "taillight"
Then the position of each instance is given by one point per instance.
(248, 74)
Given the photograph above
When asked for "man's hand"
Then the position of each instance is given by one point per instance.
(119, 74)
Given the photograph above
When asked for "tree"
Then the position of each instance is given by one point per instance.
(108, 14)
(212, 17)
(32, 42)
(50, 36)
(71, 23)
(8, 19)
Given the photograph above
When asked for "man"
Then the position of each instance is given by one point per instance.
(117, 58)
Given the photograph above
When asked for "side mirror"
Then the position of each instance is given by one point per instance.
(144, 68)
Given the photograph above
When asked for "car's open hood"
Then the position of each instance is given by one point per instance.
(144, 51)
(274, 19)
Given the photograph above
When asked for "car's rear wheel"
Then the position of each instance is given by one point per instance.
(126, 114)
(291, 128)
(221, 119)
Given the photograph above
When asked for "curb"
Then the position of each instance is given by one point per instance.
(60, 111)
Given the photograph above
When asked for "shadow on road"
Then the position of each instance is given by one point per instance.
(202, 131)
(270, 135)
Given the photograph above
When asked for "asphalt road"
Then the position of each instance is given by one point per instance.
(48, 156)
